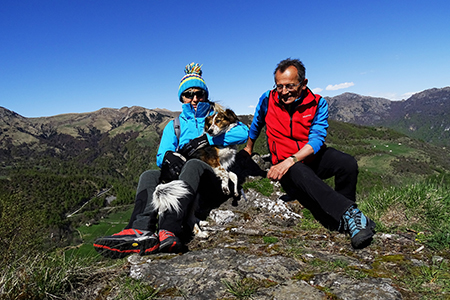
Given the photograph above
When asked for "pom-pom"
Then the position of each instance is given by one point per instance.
(193, 68)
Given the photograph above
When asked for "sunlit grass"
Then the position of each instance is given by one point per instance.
(423, 207)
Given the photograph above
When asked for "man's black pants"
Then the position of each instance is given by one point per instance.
(304, 182)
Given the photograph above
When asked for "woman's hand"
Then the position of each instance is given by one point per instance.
(195, 144)
(171, 167)
(249, 147)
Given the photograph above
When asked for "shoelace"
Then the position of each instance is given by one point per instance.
(354, 221)
(164, 234)
(147, 236)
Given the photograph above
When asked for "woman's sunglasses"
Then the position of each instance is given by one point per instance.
(190, 95)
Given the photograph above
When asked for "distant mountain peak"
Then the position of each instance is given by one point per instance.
(424, 115)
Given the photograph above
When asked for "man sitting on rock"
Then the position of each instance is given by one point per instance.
(296, 123)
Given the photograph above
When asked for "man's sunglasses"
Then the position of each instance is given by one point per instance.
(190, 95)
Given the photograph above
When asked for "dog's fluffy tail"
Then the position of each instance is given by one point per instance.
(166, 196)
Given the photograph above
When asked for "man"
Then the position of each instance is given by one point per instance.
(296, 123)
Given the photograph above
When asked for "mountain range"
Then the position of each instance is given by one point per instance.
(69, 135)
(424, 116)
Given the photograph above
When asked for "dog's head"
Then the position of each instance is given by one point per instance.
(220, 122)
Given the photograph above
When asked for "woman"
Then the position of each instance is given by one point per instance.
(147, 232)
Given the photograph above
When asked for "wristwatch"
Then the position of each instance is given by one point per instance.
(294, 158)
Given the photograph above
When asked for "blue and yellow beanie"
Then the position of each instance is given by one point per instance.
(193, 78)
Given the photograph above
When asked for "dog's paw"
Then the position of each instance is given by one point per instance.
(225, 190)
(199, 233)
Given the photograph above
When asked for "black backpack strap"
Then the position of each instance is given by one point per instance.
(176, 128)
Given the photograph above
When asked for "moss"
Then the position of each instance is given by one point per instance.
(393, 258)
(270, 239)
(395, 267)
(263, 186)
(304, 276)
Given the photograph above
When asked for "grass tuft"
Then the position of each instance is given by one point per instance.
(423, 207)
(263, 186)
(43, 276)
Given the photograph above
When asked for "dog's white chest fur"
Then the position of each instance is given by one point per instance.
(227, 155)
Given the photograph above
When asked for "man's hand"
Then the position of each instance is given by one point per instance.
(195, 144)
(171, 166)
(277, 171)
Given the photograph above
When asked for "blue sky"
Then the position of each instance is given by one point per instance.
(64, 56)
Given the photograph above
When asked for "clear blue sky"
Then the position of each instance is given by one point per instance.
(64, 56)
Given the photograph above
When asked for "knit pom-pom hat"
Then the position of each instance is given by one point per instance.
(193, 78)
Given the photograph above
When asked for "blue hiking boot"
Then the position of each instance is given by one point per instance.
(360, 228)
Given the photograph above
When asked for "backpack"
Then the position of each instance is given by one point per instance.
(176, 128)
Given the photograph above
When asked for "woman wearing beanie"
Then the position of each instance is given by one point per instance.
(151, 229)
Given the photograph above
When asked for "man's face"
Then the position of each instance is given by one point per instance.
(287, 79)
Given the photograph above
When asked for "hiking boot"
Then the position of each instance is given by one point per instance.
(360, 228)
(150, 244)
(126, 242)
(168, 242)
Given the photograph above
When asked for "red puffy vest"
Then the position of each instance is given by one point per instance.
(288, 133)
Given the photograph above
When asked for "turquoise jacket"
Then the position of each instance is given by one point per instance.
(192, 123)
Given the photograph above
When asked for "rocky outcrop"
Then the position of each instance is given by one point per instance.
(214, 273)
(249, 251)
(270, 247)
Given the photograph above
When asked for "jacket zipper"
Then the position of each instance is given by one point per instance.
(292, 127)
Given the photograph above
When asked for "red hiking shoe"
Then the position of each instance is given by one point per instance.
(126, 242)
(169, 243)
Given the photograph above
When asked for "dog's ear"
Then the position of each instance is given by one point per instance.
(231, 116)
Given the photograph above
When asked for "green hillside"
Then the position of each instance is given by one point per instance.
(39, 191)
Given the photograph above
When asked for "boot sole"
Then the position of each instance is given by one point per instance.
(363, 238)
(121, 247)
(113, 249)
